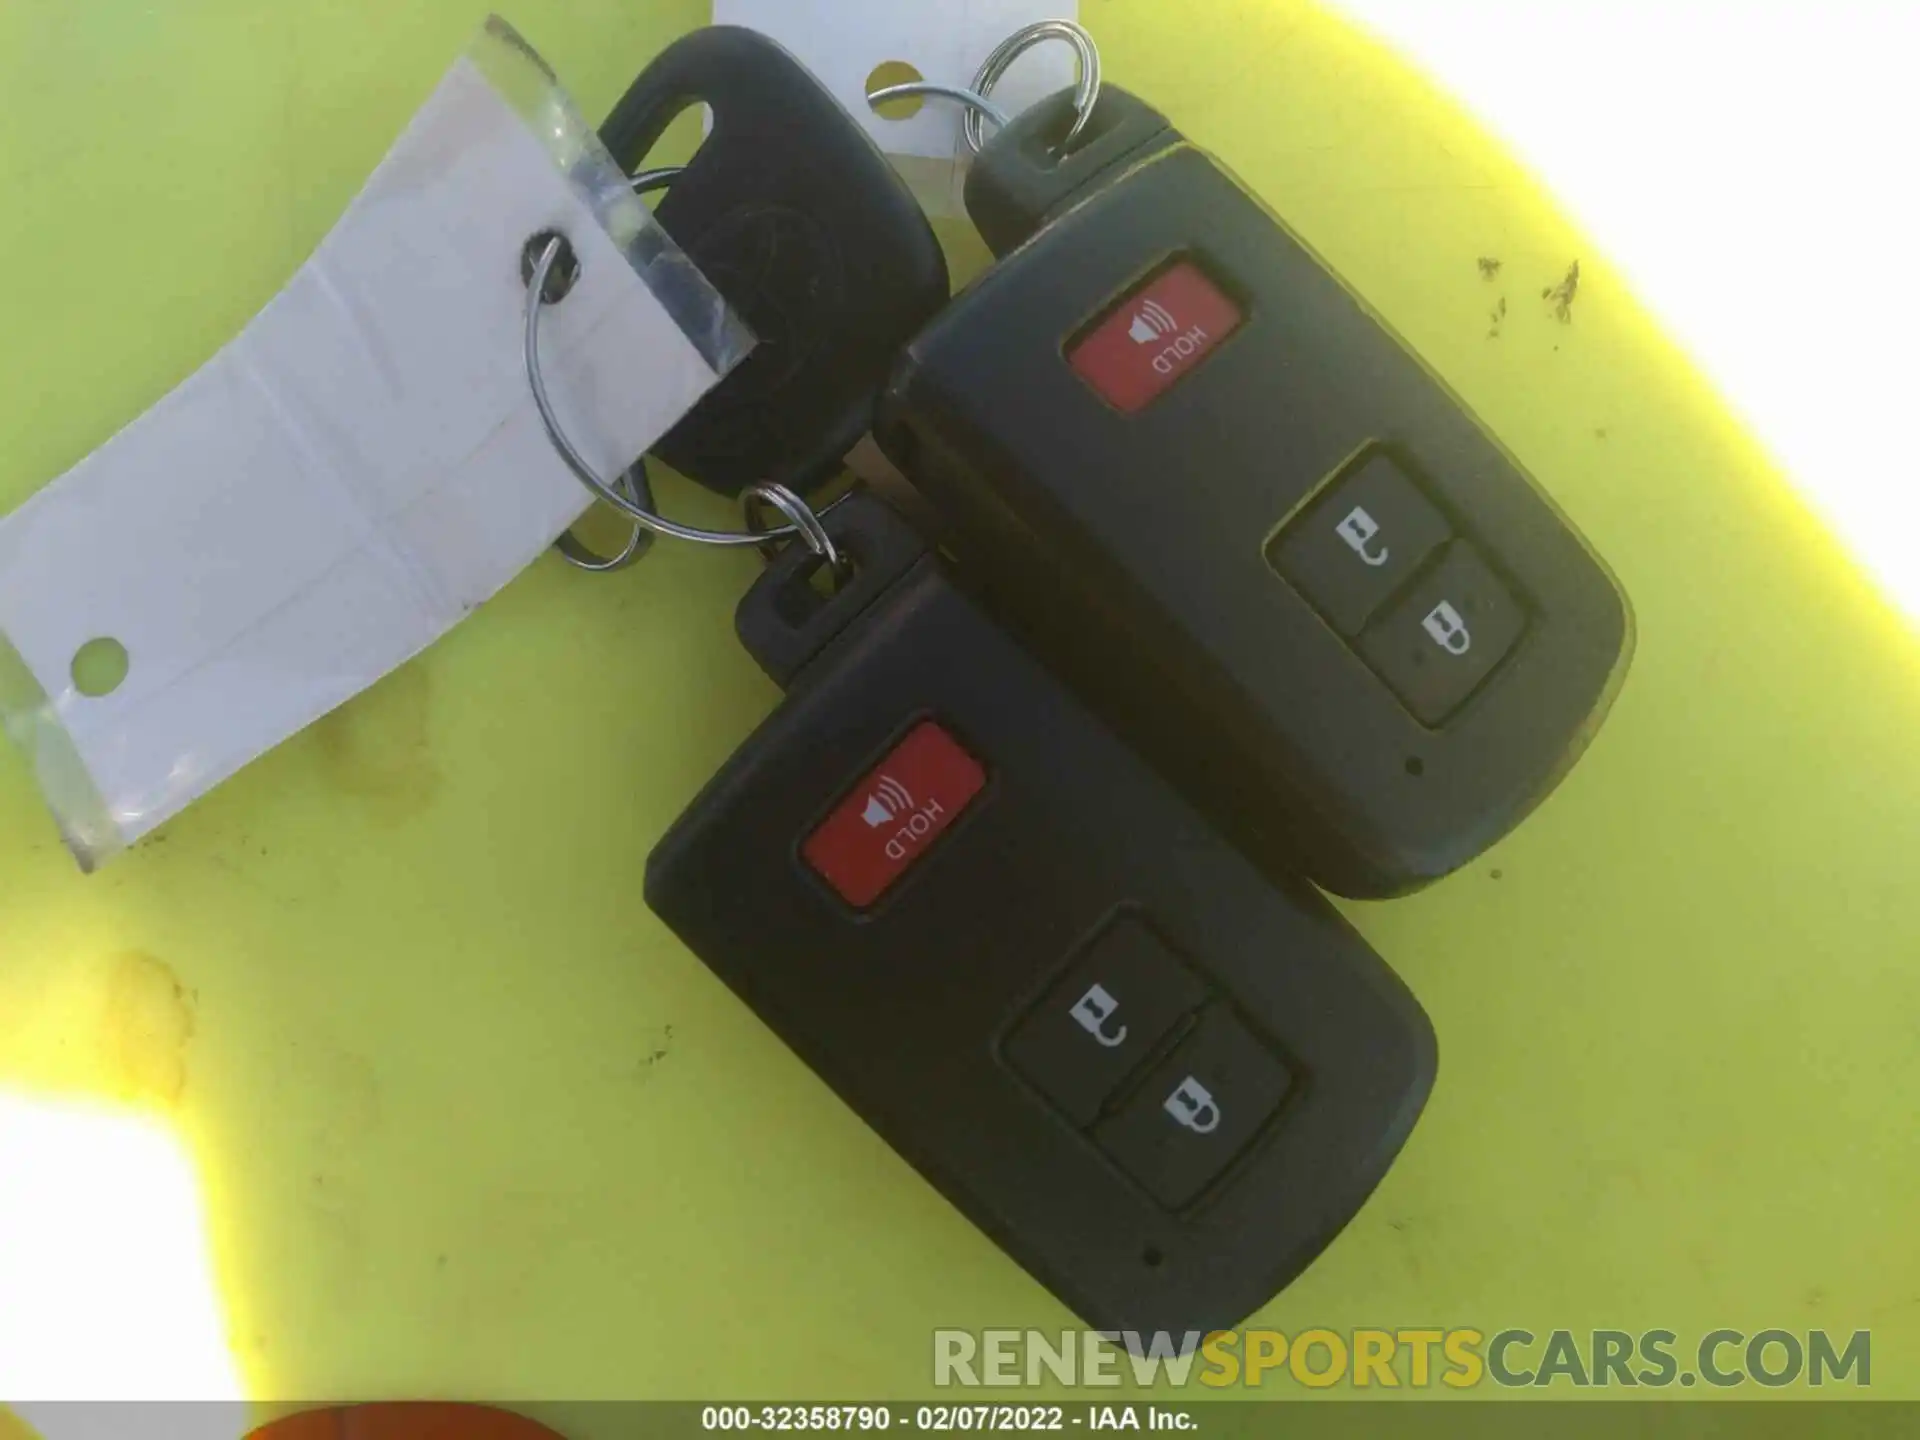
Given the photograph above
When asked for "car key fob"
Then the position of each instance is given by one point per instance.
(799, 221)
(1159, 1078)
(1210, 488)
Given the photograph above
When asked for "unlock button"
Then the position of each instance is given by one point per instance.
(1357, 545)
(1193, 1114)
(1124, 995)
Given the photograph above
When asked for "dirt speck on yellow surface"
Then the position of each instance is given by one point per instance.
(1561, 296)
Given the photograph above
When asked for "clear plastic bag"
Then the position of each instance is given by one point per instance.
(524, 80)
(359, 469)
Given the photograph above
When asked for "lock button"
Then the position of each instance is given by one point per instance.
(1356, 546)
(1123, 996)
(1445, 636)
(1195, 1113)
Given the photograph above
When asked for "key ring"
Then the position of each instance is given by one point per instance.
(1086, 89)
(637, 487)
(634, 484)
(802, 517)
(546, 287)
(645, 182)
(972, 99)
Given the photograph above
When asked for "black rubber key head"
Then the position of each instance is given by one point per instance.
(800, 222)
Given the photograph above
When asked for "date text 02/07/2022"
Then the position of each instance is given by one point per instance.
(944, 1419)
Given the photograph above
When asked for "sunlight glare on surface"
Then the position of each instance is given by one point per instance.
(107, 1290)
(1747, 165)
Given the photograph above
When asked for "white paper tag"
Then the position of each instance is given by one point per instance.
(353, 474)
(844, 41)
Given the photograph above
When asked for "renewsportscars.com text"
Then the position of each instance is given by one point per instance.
(1456, 1359)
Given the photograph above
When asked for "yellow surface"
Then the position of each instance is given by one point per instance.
(468, 1121)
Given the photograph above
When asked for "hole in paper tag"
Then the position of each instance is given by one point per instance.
(896, 72)
(99, 667)
(848, 43)
(564, 273)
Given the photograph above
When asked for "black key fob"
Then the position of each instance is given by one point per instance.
(1160, 1079)
(802, 225)
(1210, 488)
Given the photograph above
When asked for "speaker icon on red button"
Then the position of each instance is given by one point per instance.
(1154, 336)
(889, 800)
(1154, 322)
(894, 814)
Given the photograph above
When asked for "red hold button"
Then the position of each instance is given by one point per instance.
(1155, 336)
(894, 815)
